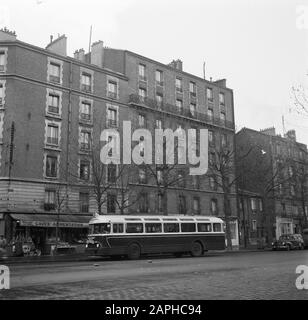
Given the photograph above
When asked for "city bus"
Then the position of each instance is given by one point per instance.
(133, 236)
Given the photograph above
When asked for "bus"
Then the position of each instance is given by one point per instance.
(133, 236)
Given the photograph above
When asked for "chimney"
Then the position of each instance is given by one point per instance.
(291, 135)
(97, 53)
(80, 55)
(176, 64)
(269, 131)
(221, 83)
(7, 35)
(58, 46)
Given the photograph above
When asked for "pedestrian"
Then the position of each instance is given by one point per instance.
(3, 244)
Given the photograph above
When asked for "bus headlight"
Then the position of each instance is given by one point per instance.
(97, 245)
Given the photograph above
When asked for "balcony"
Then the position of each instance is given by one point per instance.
(143, 78)
(85, 146)
(53, 110)
(85, 117)
(86, 88)
(185, 112)
(53, 141)
(112, 95)
(160, 83)
(112, 123)
(1, 102)
(54, 79)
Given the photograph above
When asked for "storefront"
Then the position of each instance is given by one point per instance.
(39, 231)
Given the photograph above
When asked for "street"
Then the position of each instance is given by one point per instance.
(249, 275)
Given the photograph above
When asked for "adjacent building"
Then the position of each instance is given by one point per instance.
(53, 109)
(274, 167)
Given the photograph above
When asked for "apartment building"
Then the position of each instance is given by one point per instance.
(274, 167)
(53, 109)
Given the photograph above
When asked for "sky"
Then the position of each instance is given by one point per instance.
(259, 46)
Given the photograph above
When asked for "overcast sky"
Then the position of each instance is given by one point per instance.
(255, 44)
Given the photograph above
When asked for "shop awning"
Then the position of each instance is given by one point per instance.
(50, 221)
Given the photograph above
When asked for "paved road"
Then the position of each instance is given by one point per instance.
(253, 275)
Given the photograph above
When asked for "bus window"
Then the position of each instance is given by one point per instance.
(171, 227)
(188, 227)
(153, 228)
(102, 228)
(134, 228)
(118, 228)
(217, 227)
(204, 227)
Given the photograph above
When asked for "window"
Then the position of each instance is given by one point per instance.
(50, 197)
(179, 85)
(84, 170)
(159, 124)
(223, 117)
(141, 120)
(1, 94)
(214, 207)
(142, 94)
(159, 100)
(85, 140)
(196, 182)
(260, 205)
(211, 137)
(159, 78)
(171, 227)
(2, 61)
(112, 173)
(153, 228)
(209, 94)
(118, 228)
(85, 111)
(53, 134)
(51, 167)
(253, 203)
(193, 109)
(134, 228)
(86, 82)
(213, 184)
(193, 89)
(182, 205)
(142, 176)
(204, 227)
(102, 228)
(112, 89)
(196, 205)
(210, 114)
(254, 225)
(181, 179)
(188, 227)
(54, 104)
(159, 176)
(160, 202)
(112, 117)
(217, 227)
(222, 99)
(212, 158)
(84, 202)
(179, 104)
(55, 72)
(143, 203)
(223, 140)
(111, 203)
(142, 72)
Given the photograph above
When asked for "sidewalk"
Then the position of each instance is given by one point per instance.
(79, 257)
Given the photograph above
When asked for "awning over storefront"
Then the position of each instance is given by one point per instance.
(50, 221)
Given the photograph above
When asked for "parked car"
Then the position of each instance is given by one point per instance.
(289, 242)
(305, 237)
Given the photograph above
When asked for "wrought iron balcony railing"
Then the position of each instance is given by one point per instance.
(184, 112)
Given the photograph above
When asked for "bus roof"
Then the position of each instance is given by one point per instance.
(153, 219)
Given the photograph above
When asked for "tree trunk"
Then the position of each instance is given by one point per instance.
(227, 221)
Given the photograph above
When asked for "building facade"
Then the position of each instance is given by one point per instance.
(53, 109)
(275, 168)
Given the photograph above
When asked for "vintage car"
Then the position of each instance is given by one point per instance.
(289, 242)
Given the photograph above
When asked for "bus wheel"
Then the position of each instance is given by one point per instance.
(196, 249)
(134, 252)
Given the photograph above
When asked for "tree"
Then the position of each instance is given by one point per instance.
(300, 99)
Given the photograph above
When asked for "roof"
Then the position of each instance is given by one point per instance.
(153, 219)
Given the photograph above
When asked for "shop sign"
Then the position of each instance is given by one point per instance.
(52, 224)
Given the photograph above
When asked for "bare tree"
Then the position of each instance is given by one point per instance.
(300, 98)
